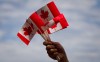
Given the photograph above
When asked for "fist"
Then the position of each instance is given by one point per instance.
(54, 49)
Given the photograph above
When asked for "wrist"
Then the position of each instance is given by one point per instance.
(64, 58)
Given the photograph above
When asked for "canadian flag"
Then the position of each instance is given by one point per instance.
(48, 14)
(27, 31)
(56, 24)
(44, 15)
(60, 24)
(46, 18)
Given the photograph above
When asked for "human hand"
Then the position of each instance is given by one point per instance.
(54, 50)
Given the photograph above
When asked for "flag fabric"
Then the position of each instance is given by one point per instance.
(48, 12)
(27, 31)
(44, 15)
(60, 24)
(47, 18)
(56, 24)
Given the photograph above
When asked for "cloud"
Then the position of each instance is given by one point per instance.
(20, 52)
(80, 39)
(1, 33)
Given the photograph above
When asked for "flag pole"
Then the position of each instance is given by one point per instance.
(48, 38)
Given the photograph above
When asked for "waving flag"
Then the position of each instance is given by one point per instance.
(48, 12)
(62, 23)
(45, 14)
(47, 18)
(27, 31)
(56, 24)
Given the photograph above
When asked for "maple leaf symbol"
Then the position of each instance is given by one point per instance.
(27, 31)
(44, 14)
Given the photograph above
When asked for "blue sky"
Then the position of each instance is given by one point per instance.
(81, 39)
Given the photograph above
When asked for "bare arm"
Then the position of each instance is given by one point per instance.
(54, 50)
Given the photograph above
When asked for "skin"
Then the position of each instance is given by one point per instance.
(54, 50)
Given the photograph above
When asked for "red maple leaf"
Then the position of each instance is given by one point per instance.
(44, 14)
(27, 30)
(30, 24)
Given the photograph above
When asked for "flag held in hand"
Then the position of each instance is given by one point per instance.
(48, 18)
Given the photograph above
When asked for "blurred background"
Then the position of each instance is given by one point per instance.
(81, 39)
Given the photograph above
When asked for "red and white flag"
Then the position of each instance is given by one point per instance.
(46, 18)
(50, 13)
(62, 23)
(44, 15)
(27, 32)
(56, 24)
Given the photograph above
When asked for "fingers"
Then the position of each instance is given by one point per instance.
(53, 54)
(55, 50)
(52, 51)
(47, 43)
(50, 43)
(56, 53)
(48, 47)
(58, 46)
(53, 45)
